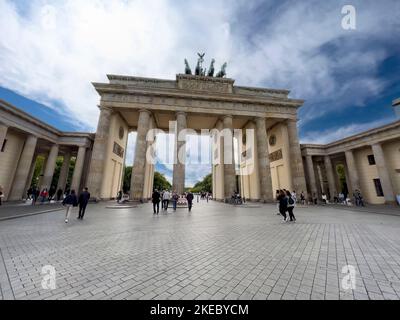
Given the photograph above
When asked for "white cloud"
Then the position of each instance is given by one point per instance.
(337, 133)
(54, 49)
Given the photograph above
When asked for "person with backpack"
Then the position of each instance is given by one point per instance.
(175, 198)
(290, 206)
(69, 202)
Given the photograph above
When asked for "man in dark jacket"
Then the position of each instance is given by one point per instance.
(83, 202)
(189, 198)
(156, 201)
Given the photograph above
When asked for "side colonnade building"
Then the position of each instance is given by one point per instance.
(23, 138)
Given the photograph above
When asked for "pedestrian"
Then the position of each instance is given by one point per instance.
(70, 202)
(166, 197)
(302, 198)
(43, 195)
(119, 196)
(59, 194)
(283, 205)
(175, 198)
(315, 199)
(189, 198)
(29, 194)
(155, 198)
(1, 194)
(290, 206)
(294, 196)
(83, 201)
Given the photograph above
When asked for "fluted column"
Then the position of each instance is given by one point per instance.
(24, 165)
(49, 169)
(352, 171)
(384, 175)
(77, 175)
(311, 175)
(139, 165)
(330, 176)
(62, 180)
(264, 170)
(96, 171)
(296, 161)
(229, 159)
(179, 168)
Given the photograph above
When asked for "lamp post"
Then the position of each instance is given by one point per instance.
(396, 107)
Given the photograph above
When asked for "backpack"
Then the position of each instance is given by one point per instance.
(291, 201)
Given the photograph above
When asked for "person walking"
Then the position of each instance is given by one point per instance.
(283, 204)
(291, 202)
(175, 198)
(189, 198)
(166, 197)
(155, 198)
(83, 201)
(70, 202)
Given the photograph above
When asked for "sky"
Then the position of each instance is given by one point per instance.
(51, 51)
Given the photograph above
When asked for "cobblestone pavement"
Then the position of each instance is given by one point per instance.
(216, 252)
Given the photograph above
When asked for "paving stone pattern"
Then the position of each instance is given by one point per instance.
(216, 252)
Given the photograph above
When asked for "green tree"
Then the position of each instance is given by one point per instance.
(342, 176)
(204, 185)
(127, 179)
(160, 182)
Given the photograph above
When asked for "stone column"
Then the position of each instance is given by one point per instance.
(264, 170)
(352, 171)
(229, 158)
(49, 169)
(296, 161)
(96, 171)
(24, 165)
(3, 134)
(384, 175)
(179, 168)
(62, 181)
(31, 172)
(330, 176)
(311, 176)
(139, 164)
(77, 175)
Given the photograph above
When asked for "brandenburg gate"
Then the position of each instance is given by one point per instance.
(198, 102)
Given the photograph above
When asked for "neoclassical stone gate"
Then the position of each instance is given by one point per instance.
(197, 102)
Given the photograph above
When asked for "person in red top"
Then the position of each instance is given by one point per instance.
(43, 195)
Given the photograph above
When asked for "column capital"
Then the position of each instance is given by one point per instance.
(105, 108)
(145, 110)
(226, 116)
(183, 113)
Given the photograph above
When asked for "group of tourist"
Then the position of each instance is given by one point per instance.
(165, 197)
(286, 203)
(45, 195)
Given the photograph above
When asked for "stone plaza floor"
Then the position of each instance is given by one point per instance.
(216, 252)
